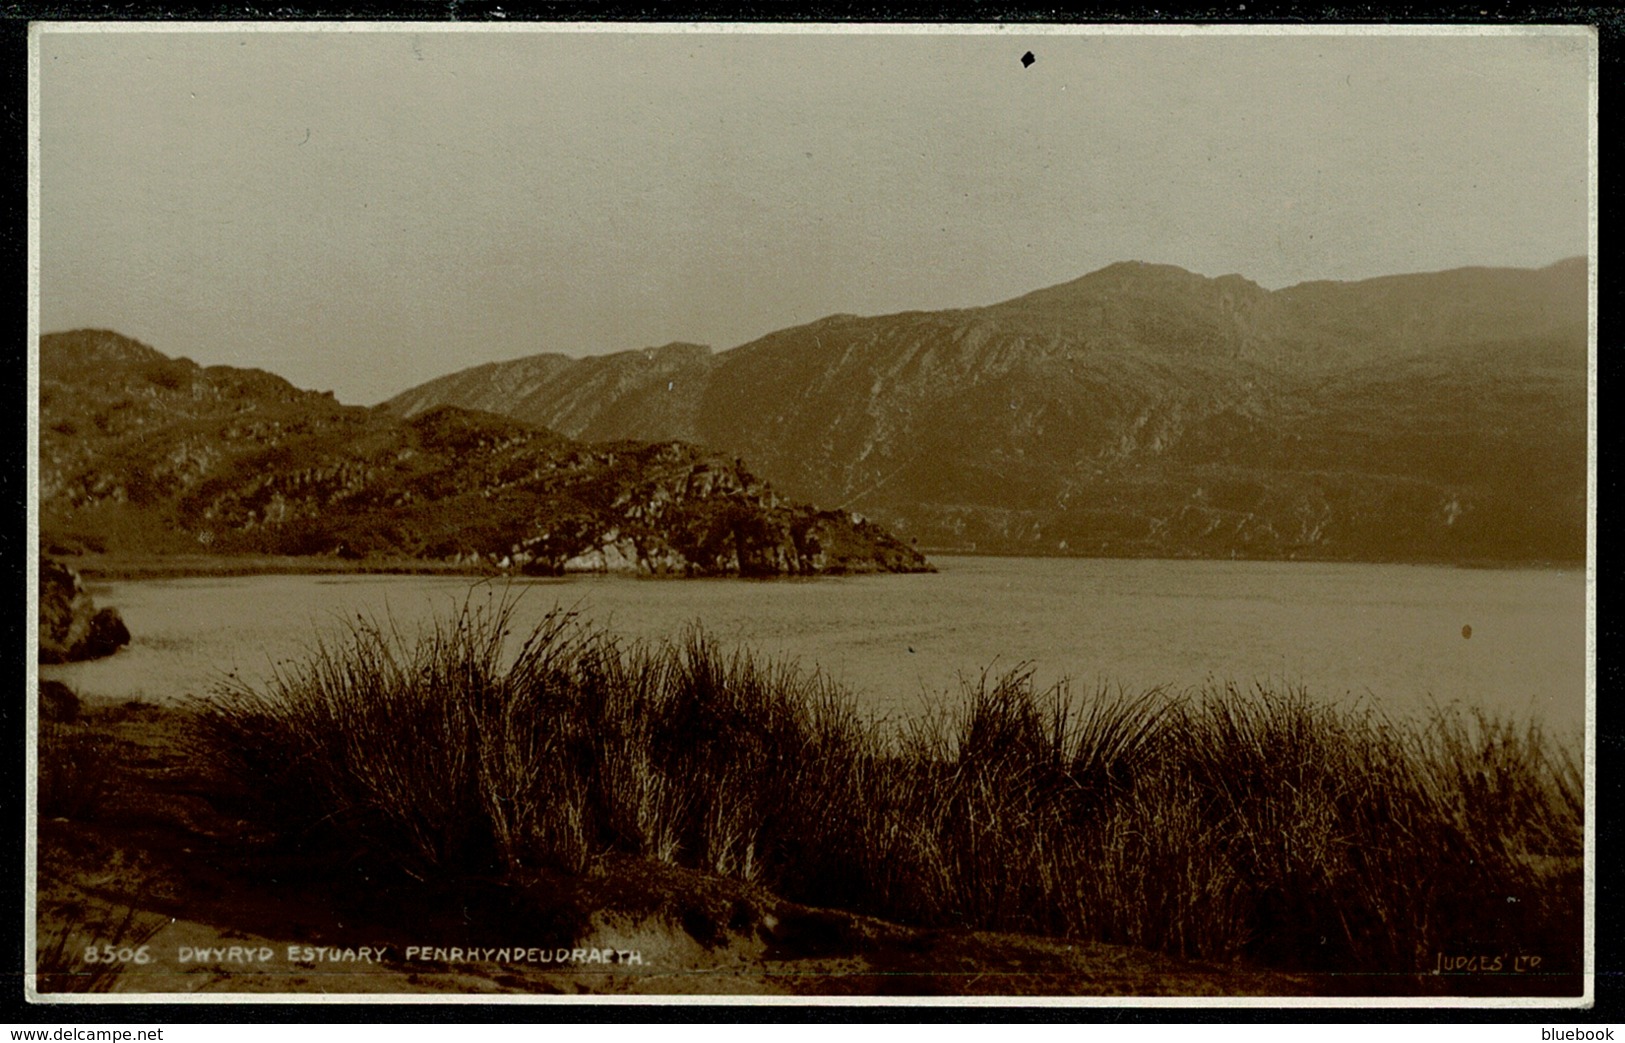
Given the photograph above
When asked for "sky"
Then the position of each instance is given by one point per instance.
(361, 211)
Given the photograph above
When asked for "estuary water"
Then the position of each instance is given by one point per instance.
(1397, 635)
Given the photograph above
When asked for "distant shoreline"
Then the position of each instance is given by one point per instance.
(112, 567)
(186, 566)
(1469, 563)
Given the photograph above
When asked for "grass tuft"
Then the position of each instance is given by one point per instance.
(74, 771)
(87, 952)
(1214, 823)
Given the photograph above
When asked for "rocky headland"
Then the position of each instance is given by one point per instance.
(145, 454)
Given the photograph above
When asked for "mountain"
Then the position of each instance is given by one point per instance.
(1141, 410)
(144, 453)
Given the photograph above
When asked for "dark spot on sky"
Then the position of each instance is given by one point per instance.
(1027, 59)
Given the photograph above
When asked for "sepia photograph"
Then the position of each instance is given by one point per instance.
(811, 513)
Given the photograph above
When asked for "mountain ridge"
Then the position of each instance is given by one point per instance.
(1133, 389)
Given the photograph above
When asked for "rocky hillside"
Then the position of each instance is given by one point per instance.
(1141, 410)
(141, 453)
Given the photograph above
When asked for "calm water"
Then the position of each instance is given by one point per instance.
(1388, 632)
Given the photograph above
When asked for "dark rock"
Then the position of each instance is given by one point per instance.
(107, 634)
(70, 627)
(64, 612)
(57, 702)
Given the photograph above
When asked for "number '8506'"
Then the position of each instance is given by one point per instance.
(123, 954)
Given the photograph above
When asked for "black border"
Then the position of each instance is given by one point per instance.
(1609, 920)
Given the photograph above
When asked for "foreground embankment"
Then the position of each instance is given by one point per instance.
(586, 782)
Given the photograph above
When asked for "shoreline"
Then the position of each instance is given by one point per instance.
(114, 567)
(106, 567)
(1467, 563)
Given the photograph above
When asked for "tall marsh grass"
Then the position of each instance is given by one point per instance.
(74, 771)
(1214, 823)
(112, 941)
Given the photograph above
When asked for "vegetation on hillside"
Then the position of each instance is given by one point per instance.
(142, 453)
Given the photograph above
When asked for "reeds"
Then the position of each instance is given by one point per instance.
(87, 951)
(1214, 823)
(74, 771)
